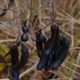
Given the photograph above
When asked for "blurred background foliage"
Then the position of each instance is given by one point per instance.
(68, 19)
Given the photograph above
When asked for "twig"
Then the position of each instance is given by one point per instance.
(53, 6)
(69, 16)
(23, 4)
(7, 40)
(18, 20)
(5, 79)
(12, 18)
(28, 71)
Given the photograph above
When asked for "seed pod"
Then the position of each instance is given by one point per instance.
(48, 47)
(54, 37)
(42, 38)
(39, 45)
(14, 58)
(25, 28)
(42, 62)
(24, 58)
(15, 74)
(55, 32)
(39, 48)
(56, 51)
(14, 54)
(24, 37)
(49, 61)
(63, 53)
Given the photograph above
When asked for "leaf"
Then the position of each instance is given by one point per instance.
(3, 49)
(34, 53)
(1, 66)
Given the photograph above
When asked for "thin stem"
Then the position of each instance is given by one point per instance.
(12, 18)
(53, 5)
(28, 71)
(30, 18)
(23, 14)
(30, 11)
(17, 20)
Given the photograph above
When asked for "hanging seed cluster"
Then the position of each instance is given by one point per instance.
(14, 53)
(52, 52)
(24, 36)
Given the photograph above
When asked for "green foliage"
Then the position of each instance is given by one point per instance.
(34, 53)
(4, 49)
(1, 66)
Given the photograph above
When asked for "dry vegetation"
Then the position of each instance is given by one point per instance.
(68, 19)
